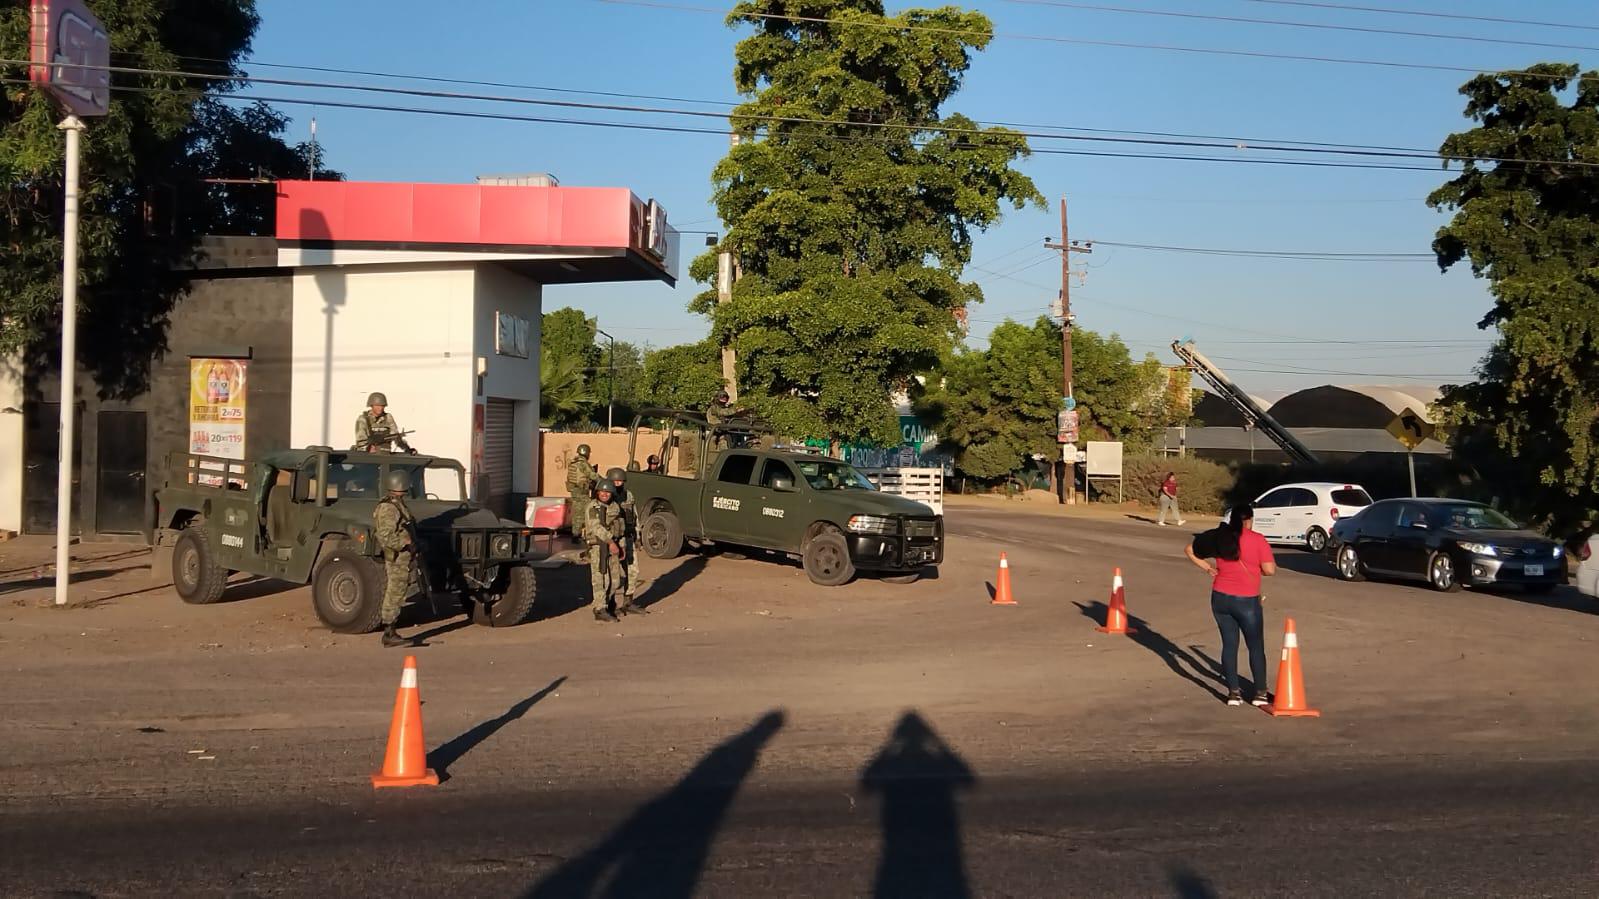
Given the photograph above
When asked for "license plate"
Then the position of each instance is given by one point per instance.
(1534, 570)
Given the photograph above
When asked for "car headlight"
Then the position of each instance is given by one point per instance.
(1559, 551)
(502, 546)
(871, 524)
(1481, 549)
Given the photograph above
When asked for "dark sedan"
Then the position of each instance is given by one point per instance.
(1447, 543)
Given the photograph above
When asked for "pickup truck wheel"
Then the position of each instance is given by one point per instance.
(196, 575)
(663, 535)
(827, 561)
(347, 593)
(511, 604)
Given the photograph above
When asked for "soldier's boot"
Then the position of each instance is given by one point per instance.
(630, 606)
(604, 615)
(392, 638)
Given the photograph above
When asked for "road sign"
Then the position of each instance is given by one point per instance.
(1066, 426)
(69, 54)
(1068, 403)
(1410, 429)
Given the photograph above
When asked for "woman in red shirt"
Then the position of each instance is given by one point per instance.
(1242, 558)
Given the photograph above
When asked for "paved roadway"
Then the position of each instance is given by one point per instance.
(760, 736)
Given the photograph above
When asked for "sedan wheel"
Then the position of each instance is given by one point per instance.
(1441, 573)
(1349, 564)
(1316, 540)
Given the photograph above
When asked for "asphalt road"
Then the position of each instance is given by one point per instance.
(761, 736)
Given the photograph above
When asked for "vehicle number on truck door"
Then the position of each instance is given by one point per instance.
(233, 540)
(724, 502)
(770, 512)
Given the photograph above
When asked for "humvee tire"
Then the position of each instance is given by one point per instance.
(196, 575)
(347, 592)
(827, 561)
(663, 535)
(513, 605)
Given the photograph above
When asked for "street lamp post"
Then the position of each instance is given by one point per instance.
(610, 384)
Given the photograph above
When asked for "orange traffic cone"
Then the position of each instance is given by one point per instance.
(1116, 612)
(405, 763)
(1002, 595)
(1289, 702)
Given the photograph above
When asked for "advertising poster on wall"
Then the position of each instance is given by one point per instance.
(217, 420)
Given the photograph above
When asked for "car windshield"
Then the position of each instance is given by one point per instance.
(1467, 517)
(824, 474)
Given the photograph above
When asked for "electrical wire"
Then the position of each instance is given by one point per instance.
(1392, 11)
(1321, 26)
(1308, 255)
(1125, 45)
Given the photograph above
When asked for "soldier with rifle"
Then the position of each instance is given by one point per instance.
(376, 431)
(604, 529)
(396, 535)
(633, 579)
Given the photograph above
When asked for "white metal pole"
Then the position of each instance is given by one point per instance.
(1410, 459)
(73, 126)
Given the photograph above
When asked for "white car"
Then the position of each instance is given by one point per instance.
(1588, 567)
(1303, 514)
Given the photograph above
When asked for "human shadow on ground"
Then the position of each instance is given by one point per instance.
(1179, 660)
(917, 774)
(1190, 884)
(662, 848)
(453, 749)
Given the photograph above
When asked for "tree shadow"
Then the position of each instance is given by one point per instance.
(1176, 658)
(672, 581)
(917, 774)
(661, 849)
(1189, 884)
(451, 751)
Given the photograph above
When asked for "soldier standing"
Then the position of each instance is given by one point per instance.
(580, 478)
(719, 411)
(604, 528)
(395, 529)
(377, 420)
(629, 542)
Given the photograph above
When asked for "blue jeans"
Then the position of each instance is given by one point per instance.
(1235, 614)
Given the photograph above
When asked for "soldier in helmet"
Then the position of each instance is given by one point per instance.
(580, 478)
(377, 420)
(395, 530)
(604, 529)
(633, 580)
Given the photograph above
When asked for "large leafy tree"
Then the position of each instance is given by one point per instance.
(851, 202)
(997, 406)
(686, 376)
(232, 144)
(143, 199)
(1528, 223)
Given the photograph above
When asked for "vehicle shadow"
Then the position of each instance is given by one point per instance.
(451, 751)
(117, 556)
(1189, 884)
(562, 591)
(1303, 562)
(1567, 598)
(917, 774)
(662, 848)
(1179, 660)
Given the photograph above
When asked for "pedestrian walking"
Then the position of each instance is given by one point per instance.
(1241, 557)
(1168, 499)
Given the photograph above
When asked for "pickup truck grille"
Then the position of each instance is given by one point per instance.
(921, 528)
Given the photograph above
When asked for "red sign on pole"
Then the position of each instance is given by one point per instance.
(1066, 426)
(69, 54)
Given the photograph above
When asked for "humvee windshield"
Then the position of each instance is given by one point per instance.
(823, 474)
(363, 480)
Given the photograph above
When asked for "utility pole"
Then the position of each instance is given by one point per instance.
(724, 294)
(1068, 403)
(312, 175)
(610, 384)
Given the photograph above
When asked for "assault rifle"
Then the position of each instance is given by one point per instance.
(384, 441)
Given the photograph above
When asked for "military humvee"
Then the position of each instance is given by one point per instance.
(731, 484)
(305, 516)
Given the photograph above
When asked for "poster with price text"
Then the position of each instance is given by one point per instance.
(217, 389)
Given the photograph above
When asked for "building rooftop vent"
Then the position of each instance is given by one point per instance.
(535, 179)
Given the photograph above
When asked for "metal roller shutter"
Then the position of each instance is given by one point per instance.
(499, 439)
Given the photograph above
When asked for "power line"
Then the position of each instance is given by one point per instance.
(1320, 26)
(1125, 45)
(1306, 255)
(1392, 11)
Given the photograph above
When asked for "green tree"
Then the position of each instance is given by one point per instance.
(627, 390)
(144, 205)
(851, 203)
(564, 395)
(246, 143)
(996, 407)
(686, 376)
(1528, 223)
(568, 333)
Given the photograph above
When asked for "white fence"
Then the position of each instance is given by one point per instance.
(924, 485)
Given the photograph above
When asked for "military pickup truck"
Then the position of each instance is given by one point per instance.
(305, 516)
(807, 506)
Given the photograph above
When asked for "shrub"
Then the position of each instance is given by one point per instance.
(1201, 484)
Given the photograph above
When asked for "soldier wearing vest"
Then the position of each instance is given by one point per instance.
(376, 420)
(629, 543)
(395, 530)
(604, 529)
(580, 478)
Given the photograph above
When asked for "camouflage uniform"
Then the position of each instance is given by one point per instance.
(580, 478)
(393, 523)
(367, 423)
(629, 540)
(603, 523)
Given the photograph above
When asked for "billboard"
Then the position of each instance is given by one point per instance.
(217, 417)
(68, 54)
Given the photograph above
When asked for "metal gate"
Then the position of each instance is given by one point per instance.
(120, 498)
(499, 453)
(41, 442)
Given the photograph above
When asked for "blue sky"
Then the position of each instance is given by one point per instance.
(1254, 316)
